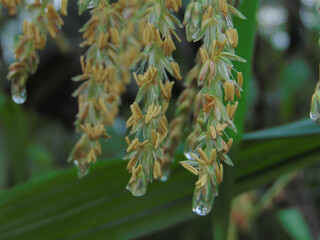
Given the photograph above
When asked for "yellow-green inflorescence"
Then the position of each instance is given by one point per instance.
(44, 20)
(208, 144)
(315, 100)
(179, 124)
(111, 47)
(148, 122)
(114, 35)
(315, 103)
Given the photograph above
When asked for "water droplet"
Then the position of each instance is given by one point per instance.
(203, 199)
(138, 186)
(18, 95)
(90, 5)
(315, 107)
(165, 169)
(195, 34)
(188, 156)
(202, 210)
(83, 168)
(165, 176)
(315, 117)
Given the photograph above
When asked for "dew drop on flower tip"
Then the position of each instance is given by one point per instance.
(195, 35)
(188, 155)
(136, 190)
(315, 107)
(138, 187)
(165, 172)
(202, 207)
(83, 169)
(164, 177)
(19, 96)
(315, 117)
(201, 210)
(203, 200)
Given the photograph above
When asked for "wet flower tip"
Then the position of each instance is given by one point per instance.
(202, 210)
(18, 95)
(83, 169)
(315, 108)
(138, 184)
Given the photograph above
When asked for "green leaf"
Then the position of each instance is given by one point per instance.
(260, 161)
(300, 128)
(293, 221)
(60, 206)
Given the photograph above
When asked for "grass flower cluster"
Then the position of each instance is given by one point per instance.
(148, 122)
(139, 34)
(44, 19)
(181, 121)
(104, 76)
(315, 100)
(208, 144)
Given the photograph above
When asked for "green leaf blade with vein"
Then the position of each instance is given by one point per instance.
(60, 206)
(295, 224)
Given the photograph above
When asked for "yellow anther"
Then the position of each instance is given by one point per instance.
(114, 35)
(232, 36)
(203, 155)
(240, 79)
(229, 91)
(213, 156)
(223, 7)
(156, 170)
(176, 70)
(63, 8)
(190, 168)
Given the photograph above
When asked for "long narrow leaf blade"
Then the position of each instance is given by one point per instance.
(60, 206)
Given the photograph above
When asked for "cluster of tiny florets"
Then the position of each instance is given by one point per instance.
(148, 122)
(208, 144)
(104, 76)
(139, 34)
(45, 19)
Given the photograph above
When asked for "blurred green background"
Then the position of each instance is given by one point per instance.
(276, 170)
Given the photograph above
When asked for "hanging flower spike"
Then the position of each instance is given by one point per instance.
(11, 5)
(315, 104)
(214, 106)
(179, 123)
(148, 122)
(34, 35)
(104, 78)
(315, 100)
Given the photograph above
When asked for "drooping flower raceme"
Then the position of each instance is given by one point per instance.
(178, 125)
(315, 100)
(208, 144)
(44, 20)
(113, 36)
(104, 76)
(148, 122)
(315, 104)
